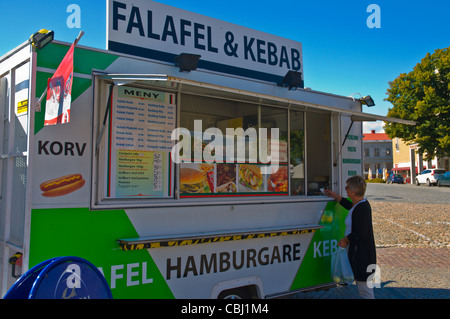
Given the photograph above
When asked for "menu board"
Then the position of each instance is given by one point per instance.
(140, 164)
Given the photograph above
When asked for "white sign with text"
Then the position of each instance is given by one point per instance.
(161, 32)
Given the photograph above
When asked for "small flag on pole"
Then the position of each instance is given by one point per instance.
(59, 90)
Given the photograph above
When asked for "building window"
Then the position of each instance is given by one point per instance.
(376, 152)
(388, 151)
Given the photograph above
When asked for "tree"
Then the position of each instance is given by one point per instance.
(423, 95)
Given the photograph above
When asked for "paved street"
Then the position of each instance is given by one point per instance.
(411, 225)
(406, 273)
(408, 193)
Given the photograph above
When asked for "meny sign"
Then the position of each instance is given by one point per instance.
(161, 32)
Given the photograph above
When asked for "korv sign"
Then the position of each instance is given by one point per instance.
(156, 31)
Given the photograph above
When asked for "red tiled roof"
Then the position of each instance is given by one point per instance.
(376, 137)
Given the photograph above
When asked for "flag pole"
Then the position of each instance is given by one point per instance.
(38, 101)
(78, 38)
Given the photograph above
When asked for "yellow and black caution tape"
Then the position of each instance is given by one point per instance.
(149, 244)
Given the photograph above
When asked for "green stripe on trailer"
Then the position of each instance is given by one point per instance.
(84, 60)
(316, 266)
(92, 235)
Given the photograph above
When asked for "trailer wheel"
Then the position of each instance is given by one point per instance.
(236, 293)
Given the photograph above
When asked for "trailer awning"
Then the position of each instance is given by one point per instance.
(187, 86)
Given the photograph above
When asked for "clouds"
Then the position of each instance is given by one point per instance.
(377, 126)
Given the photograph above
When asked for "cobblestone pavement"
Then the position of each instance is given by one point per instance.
(413, 253)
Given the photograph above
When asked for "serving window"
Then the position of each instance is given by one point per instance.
(318, 143)
(243, 136)
(226, 147)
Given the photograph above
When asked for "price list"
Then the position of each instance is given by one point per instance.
(142, 123)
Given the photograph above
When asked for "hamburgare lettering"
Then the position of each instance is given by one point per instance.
(225, 261)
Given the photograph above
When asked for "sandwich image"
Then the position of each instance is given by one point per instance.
(193, 181)
(250, 176)
(227, 188)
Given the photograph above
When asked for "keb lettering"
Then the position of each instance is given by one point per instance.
(325, 248)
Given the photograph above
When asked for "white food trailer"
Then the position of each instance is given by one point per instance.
(159, 225)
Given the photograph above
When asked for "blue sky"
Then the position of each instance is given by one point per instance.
(341, 54)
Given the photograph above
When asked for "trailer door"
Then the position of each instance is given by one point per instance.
(14, 95)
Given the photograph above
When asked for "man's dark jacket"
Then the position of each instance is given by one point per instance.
(361, 251)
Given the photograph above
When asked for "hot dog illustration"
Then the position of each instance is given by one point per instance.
(62, 185)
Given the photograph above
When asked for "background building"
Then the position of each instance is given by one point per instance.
(377, 153)
(407, 162)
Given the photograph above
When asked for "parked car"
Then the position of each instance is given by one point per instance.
(444, 180)
(394, 178)
(429, 176)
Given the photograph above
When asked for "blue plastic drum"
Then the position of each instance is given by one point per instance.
(61, 278)
(21, 288)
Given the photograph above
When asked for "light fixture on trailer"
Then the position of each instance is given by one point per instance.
(292, 80)
(41, 38)
(367, 100)
(187, 62)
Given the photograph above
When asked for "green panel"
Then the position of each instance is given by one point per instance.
(83, 61)
(351, 161)
(316, 266)
(93, 235)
